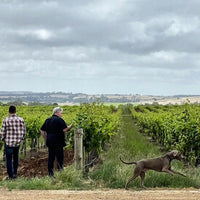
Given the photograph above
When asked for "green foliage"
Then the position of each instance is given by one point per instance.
(175, 127)
(99, 123)
(34, 117)
(131, 145)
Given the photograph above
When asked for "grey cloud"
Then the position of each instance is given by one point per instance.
(90, 41)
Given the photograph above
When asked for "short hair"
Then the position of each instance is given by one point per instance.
(57, 109)
(12, 109)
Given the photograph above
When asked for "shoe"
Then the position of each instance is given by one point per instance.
(7, 178)
(14, 176)
(52, 176)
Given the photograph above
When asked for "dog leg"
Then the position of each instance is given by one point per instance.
(168, 171)
(131, 179)
(172, 172)
(142, 175)
(177, 173)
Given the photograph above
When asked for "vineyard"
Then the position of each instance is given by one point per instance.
(99, 123)
(173, 126)
(109, 133)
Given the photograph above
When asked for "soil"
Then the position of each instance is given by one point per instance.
(35, 164)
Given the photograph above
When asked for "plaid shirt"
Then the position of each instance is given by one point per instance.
(13, 130)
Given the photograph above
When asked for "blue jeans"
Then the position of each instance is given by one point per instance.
(12, 160)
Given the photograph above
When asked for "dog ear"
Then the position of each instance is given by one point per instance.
(175, 153)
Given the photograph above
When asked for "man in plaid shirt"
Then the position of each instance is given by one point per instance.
(13, 131)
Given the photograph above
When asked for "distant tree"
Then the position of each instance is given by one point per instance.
(18, 102)
(35, 103)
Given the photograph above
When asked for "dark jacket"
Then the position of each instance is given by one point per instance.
(54, 126)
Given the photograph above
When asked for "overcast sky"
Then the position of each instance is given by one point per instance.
(100, 46)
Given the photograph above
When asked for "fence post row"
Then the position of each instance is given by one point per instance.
(78, 149)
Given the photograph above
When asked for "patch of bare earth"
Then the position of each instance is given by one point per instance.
(118, 194)
(35, 164)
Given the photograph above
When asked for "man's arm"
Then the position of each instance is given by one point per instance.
(3, 131)
(43, 131)
(68, 128)
(24, 130)
(44, 134)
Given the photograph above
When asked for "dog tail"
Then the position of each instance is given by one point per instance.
(130, 163)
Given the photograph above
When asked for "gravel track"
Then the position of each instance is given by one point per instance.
(118, 194)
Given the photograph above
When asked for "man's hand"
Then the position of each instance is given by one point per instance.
(68, 128)
(71, 125)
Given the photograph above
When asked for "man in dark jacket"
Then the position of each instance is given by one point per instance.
(53, 130)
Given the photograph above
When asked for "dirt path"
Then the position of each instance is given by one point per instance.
(118, 194)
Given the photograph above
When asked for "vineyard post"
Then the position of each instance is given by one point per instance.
(78, 148)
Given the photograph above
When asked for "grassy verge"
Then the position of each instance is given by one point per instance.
(69, 178)
(132, 146)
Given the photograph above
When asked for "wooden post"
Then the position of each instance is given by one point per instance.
(78, 148)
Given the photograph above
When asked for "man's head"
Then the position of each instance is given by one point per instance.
(57, 111)
(12, 110)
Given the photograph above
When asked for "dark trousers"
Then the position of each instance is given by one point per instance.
(12, 160)
(55, 151)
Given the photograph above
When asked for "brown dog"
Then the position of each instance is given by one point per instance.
(160, 164)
